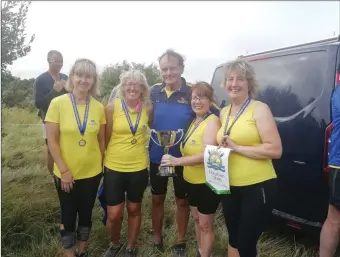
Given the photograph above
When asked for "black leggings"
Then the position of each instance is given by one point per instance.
(79, 201)
(247, 211)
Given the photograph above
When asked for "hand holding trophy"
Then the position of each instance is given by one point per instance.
(166, 140)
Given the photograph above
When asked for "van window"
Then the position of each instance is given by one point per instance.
(296, 79)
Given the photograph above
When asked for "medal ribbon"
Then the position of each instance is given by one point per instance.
(126, 112)
(244, 106)
(81, 127)
(187, 136)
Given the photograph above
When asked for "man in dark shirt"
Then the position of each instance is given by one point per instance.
(47, 86)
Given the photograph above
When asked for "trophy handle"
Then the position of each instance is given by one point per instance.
(151, 132)
(180, 130)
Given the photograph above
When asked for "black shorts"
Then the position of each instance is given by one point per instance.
(202, 197)
(334, 187)
(159, 184)
(116, 184)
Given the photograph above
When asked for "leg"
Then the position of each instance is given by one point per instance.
(197, 227)
(137, 183)
(86, 197)
(68, 205)
(158, 189)
(183, 210)
(330, 232)
(257, 205)
(207, 205)
(191, 190)
(232, 211)
(114, 190)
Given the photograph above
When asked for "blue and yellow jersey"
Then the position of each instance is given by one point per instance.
(172, 111)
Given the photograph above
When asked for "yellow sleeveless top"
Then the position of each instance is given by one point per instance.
(194, 145)
(243, 170)
(121, 155)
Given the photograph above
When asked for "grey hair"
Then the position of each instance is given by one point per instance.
(247, 69)
(51, 53)
(84, 66)
(118, 91)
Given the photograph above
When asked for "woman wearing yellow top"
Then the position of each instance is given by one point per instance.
(75, 124)
(126, 158)
(202, 131)
(249, 129)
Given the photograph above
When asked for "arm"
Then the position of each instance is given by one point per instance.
(52, 121)
(209, 138)
(109, 122)
(101, 140)
(271, 147)
(52, 132)
(149, 110)
(42, 96)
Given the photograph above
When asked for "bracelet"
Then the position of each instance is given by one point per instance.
(64, 172)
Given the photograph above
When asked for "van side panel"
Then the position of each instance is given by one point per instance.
(297, 86)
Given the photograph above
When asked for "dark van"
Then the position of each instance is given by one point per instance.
(297, 83)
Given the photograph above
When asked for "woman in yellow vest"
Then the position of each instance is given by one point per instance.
(75, 124)
(126, 159)
(202, 131)
(249, 129)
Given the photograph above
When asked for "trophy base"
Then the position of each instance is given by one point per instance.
(166, 172)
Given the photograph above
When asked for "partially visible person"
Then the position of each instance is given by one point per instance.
(249, 130)
(47, 86)
(171, 111)
(126, 159)
(202, 132)
(75, 124)
(330, 233)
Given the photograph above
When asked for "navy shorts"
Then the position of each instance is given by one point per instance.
(117, 184)
(334, 187)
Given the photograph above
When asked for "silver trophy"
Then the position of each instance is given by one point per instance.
(166, 140)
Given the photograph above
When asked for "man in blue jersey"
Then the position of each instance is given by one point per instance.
(171, 111)
(47, 86)
(330, 233)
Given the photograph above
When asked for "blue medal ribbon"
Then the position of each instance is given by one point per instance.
(126, 112)
(244, 106)
(187, 136)
(81, 127)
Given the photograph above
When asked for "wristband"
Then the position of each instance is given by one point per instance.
(64, 172)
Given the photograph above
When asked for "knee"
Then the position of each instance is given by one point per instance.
(68, 239)
(333, 217)
(158, 200)
(134, 210)
(205, 227)
(83, 233)
(182, 203)
(114, 216)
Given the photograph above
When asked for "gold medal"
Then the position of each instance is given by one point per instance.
(82, 142)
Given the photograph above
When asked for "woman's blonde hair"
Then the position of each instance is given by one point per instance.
(86, 66)
(141, 80)
(247, 70)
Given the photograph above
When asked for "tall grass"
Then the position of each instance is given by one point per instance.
(30, 207)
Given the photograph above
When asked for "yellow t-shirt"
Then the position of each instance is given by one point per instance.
(82, 161)
(168, 92)
(194, 145)
(121, 155)
(243, 170)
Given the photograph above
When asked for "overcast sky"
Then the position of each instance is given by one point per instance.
(207, 33)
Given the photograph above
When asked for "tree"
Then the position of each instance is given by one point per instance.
(110, 75)
(13, 36)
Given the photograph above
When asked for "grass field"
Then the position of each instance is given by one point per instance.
(30, 210)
